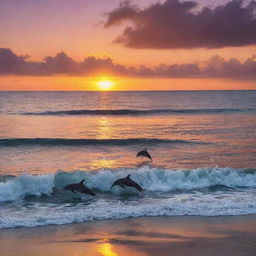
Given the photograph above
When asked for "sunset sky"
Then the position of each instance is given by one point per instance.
(137, 45)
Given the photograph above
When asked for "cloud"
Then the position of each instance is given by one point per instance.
(219, 67)
(92, 65)
(10, 63)
(61, 64)
(180, 24)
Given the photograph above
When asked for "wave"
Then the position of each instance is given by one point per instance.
(121, 112)
(168, 193)
(152, 179)
(81, 142)
(14, 188)
(102, 209)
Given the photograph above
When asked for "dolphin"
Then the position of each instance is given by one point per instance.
(127, 182)
(144, 153)
(79, 187)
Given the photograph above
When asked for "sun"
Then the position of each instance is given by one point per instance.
(105, 84)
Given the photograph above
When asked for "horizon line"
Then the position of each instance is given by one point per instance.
(128, 90)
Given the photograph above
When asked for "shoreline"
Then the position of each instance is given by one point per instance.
(142, 236)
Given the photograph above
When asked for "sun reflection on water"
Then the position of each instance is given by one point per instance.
(106, 249)
(102, 163)
(104, 130)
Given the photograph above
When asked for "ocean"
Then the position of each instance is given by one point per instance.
(203, 146)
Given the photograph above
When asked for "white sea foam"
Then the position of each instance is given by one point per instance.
(26, 185)
(152, 179)
(167, 193)
(105, 209)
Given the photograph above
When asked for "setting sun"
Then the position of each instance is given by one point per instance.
(105, 84)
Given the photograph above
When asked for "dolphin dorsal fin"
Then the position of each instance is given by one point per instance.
(128, 176)
(81, 182)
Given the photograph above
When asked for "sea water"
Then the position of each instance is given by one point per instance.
(203, 145)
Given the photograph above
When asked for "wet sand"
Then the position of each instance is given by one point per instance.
(154, 236)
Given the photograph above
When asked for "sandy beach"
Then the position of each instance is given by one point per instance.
(154, 236)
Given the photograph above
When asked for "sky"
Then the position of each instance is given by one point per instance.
(138, 45)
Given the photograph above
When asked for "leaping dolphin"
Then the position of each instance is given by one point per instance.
(127, 182)
(144, 153)
(79, 187)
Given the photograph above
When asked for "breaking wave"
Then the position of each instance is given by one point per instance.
(202, 191)
(152, 179)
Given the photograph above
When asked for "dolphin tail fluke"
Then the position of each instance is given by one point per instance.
(149, 156)
(138, 187)
(92, 193)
